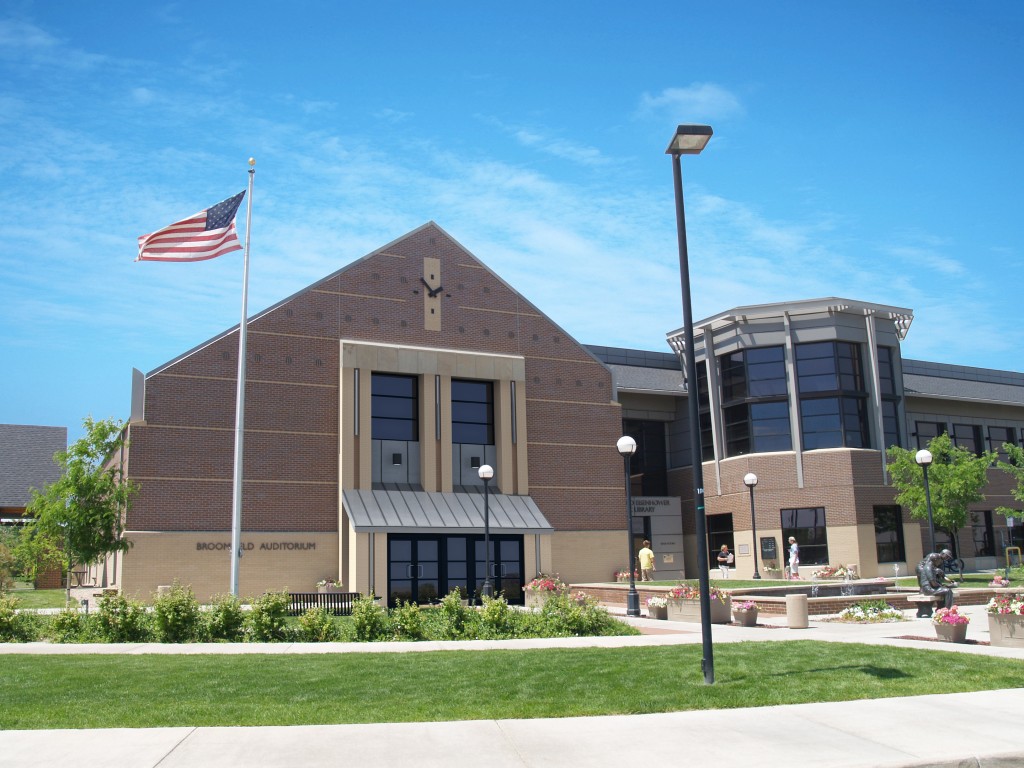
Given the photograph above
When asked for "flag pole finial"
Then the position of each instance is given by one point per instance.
(252, 162)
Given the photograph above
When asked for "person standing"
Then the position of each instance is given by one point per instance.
(646, 558)
(725, 558)
(794, 558)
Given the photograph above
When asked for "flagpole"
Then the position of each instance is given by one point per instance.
(236, 506)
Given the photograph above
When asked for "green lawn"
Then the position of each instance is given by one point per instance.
(40, 598)
(99, 691)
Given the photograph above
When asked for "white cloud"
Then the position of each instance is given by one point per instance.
(695, 102)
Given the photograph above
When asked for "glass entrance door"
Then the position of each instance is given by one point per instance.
(425, 568)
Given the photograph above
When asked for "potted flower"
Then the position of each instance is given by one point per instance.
(772, 570)
(1006, 620)
(329, 585)
(542, 587)
(657, 608)
(684, 604)
(951, 625)
(745, 613)
(999, 581)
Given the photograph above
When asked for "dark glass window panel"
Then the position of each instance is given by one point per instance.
(648, 465)
(890, 423)
(399, 571)
(983, 534)
(427, 550)
(472, 412)
(807, 526)
(471, 391)
(393, 429)
(401, 549)
(926, 430)
(968, 437)
(707, 437)
(457, 548)
(886, 371)
(393, 386)
(457, 570)
(998, 436)
(734, 377)
(394, 407)
(737, 430)
(889, 534)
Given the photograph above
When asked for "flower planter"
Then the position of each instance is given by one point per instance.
(331, 588)
(951, 633)
(1006, 630)
(657, 612)
(689, 610)
(535, 598)
(746, 618)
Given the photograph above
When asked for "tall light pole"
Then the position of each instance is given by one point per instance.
(486, 472)
(626, 446)
(691, 140)
(924, 458)
(750, 480)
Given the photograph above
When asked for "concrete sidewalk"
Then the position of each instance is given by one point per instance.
(972, 729)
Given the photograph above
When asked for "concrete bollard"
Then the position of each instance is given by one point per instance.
(796, 611)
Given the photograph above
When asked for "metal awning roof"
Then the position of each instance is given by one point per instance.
(408, 511)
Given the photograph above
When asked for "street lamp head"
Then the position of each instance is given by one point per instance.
(923, 457)
(689, 140)
(486, 472)
(626, 445)
(750, 479)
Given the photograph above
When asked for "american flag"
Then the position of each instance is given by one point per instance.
(204, 235)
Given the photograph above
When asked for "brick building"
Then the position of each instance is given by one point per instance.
(374, 395)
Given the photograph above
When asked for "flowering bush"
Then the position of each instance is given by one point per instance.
(745, 605)
(831, 572)
(950, 616)
(686, 591)
(624, 575)
(1006, 604)
(657, 602)
(547, 584)
(329, 583)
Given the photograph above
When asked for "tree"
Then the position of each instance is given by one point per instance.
(83, 511)
(1015, 468)
(955, 478)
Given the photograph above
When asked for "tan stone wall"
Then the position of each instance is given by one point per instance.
(582, 556)
(203, 561)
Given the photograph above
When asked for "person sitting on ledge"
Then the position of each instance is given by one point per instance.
(932, 579)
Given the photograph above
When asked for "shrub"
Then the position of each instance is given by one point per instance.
(16, 627)
(564, 617)
(317, 626)
(225, 620)
(407, 622)
(71, 626)
(369, 620)
(497, 620)
(121, 620)
(177, 617)
(453, 619)
(267, 622)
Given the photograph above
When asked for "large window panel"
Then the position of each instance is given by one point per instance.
(755, 405)
(831, 368)
(472, 412)
(807, 526)
(889, 534)
(394, 407)
(999, 436)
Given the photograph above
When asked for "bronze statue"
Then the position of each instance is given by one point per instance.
(932, 578)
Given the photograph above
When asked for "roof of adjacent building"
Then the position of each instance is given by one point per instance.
(26, 460)
(960, 382)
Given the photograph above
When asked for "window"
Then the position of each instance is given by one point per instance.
(807, 526)
(998, 436)
(889, 534)
(707, 435)
(472, 412)
(890, 398)
(926, 430)
(983, 534)
(395, 407)
(754, 400)
(833, 400)
(968, 437)
(648, 466)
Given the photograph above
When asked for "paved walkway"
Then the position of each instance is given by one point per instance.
(977, 729)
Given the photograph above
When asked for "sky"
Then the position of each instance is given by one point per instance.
(868, 150)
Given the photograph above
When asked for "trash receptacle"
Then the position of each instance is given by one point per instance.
(796, 611)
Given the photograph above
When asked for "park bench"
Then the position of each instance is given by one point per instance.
(338, 603)
(926, 604)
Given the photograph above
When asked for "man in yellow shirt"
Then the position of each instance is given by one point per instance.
(646, 558)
